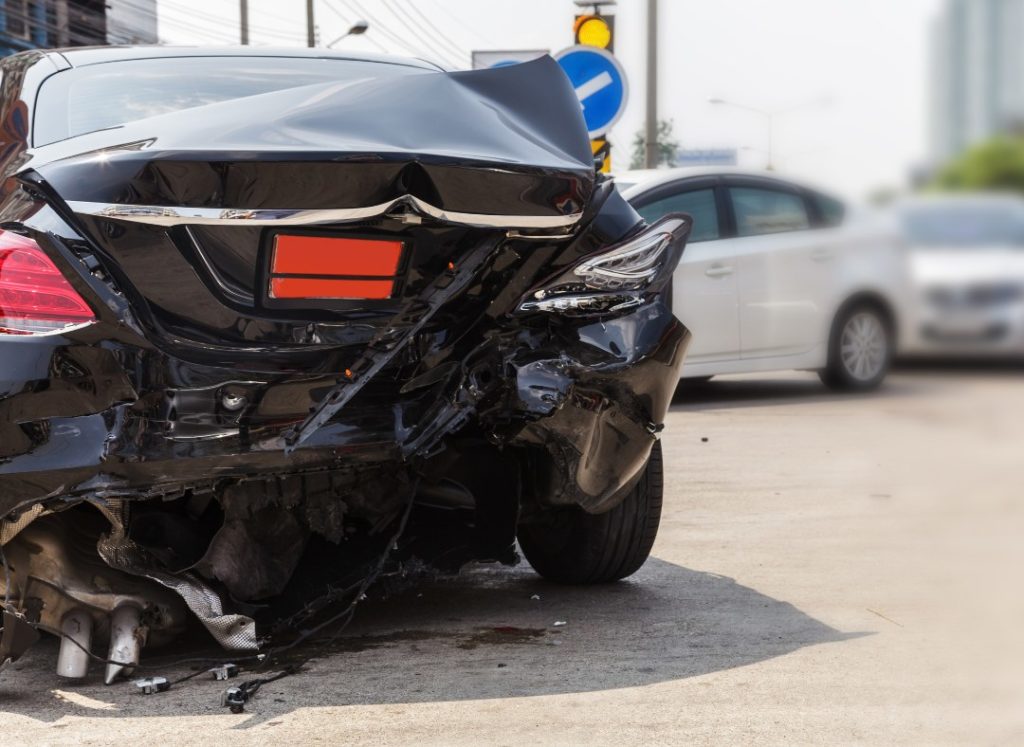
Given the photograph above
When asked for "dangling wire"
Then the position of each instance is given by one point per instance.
(7, 576)
(250, 687)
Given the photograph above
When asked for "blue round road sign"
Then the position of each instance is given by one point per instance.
(600, 84)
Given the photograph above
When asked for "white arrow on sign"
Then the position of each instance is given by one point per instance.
(593, 85)
(590, 77)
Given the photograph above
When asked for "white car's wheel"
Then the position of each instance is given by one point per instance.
(860, 349)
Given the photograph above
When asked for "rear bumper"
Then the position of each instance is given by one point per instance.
(996, 331)
(94, 417)
(84, 416)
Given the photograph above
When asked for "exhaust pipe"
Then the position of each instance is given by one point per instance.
(75, 643)
(127, 637)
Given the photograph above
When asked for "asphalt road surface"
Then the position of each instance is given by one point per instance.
(830, 569)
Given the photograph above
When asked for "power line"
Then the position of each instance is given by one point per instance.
(31, 23)
(441, 37)
(457, 19)
(167, 16)
(253, 28)
(348, 23)
(276, 17)
(439, 52)
(379, 27)
(382, 28)
(166, 20)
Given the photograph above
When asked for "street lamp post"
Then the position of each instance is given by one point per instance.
(243, 21)
(359, 27)
(310, 25)
(769, 117)
(651, 150)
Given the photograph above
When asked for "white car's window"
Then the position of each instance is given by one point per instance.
(763, 211)
(833, 212)
(699, 204)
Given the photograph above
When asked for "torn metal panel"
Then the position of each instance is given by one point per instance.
(16, 637)
(235, 632)
(386, 345)
(53, 570)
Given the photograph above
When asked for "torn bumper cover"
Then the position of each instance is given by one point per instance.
(243, 454)
(87, 416)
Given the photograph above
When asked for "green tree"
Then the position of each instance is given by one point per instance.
(668, 146)
(995, 165)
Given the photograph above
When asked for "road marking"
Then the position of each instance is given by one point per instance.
(594, 85)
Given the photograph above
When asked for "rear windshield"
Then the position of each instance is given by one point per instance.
(97, 97)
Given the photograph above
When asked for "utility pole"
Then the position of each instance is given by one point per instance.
(243, 14)
(651, 138)
(310, 25)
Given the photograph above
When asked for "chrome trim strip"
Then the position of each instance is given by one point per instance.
(175, 216)
(45, 333)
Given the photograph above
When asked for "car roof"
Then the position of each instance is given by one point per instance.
(82, 56)
(644, 180)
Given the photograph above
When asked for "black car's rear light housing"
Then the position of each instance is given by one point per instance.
(616, 278)
(35, 298)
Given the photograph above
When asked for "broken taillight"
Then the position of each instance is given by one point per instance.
(616, 278)
(35, 298)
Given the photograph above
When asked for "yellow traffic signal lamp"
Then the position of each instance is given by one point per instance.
(602, 150)
(595, 31)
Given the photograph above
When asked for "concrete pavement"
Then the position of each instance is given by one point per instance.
(830, 569)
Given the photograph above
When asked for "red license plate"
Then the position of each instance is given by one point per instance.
(325, 267)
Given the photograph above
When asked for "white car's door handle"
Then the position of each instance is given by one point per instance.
(717, 271)
(821, 255)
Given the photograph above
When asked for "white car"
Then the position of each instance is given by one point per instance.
(777, 276)
(966, 257)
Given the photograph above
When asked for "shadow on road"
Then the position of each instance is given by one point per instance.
(909, 378)
(481, 635)
(729, 393)
(1009, 367)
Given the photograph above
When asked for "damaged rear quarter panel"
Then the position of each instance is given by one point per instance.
(596, 395)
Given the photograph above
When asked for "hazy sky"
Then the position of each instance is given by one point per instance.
(867, 59)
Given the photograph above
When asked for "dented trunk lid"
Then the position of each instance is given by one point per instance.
(191, 206)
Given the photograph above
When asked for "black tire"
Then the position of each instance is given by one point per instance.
(570, 546)
(845, 374)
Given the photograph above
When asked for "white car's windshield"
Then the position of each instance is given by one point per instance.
(965, 226)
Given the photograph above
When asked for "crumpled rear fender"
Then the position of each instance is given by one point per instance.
(596, 396)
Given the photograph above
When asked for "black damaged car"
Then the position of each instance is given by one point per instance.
(275, 324)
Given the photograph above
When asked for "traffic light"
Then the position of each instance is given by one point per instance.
(595, 31)
(602, 150)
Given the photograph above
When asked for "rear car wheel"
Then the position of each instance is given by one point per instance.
(860, 349)
(570, 546)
